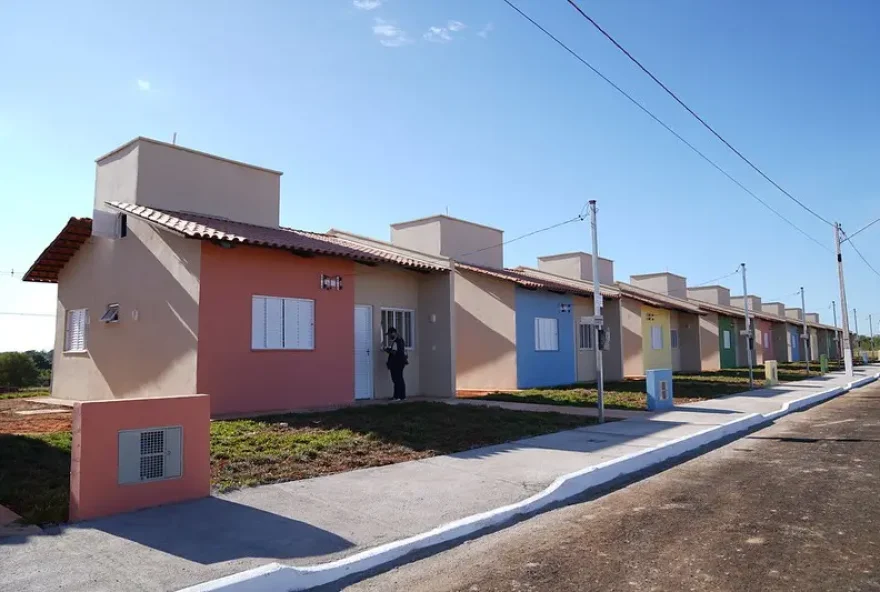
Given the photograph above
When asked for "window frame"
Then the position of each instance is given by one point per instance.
(657, 330)
(674, 339)
(85, 331)
(725, 339)
(537, 334)
(411, 342)
(591, 345)
(283, 325)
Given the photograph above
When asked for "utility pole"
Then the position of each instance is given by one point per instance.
(749, 342)
(858, 339)
(847, 346)
(836, 338)
(806, 337)
(597, 317)
(871, 331)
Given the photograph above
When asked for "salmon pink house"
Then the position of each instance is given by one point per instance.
(184, 282)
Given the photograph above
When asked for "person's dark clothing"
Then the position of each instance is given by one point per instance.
(399, 383)
(397, 360)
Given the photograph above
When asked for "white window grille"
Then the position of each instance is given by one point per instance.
(282, 323)
(585, 336)
(546, 334)
(404, 321)
(76, 330)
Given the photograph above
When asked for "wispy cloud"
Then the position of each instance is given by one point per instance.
(444, 34)
(144, 85)
(389, 34)
(484, 32)
(438, 35)
(367, 4)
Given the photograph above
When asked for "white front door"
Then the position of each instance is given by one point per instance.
(363, 352)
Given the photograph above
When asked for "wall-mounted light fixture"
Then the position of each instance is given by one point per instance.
(331, 282)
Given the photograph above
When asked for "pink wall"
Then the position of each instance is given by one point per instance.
(241, 380)
(94, 487)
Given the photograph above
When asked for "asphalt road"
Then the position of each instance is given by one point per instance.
(795, 506)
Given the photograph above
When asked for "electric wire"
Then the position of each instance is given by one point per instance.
(659, 121)
(694, 114)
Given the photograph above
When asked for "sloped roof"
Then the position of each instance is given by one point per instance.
(734, 311)
(538, 275)
(203, 227)
(657, 299)
(531, 282)
(61, 250)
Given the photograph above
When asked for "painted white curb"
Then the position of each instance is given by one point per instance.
(276, 577)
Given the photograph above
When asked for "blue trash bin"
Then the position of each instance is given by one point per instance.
(659, 383)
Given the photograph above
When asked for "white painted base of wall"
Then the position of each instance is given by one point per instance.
(276, 577)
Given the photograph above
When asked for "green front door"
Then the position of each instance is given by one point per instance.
(727, 342)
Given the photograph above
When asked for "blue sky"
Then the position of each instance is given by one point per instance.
(381, 111)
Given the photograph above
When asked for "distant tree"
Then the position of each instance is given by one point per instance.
(42, 359)
(18, 370)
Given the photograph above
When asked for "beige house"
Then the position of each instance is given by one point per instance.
(183, 281)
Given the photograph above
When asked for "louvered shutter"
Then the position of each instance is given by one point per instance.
(274, 323)
(299, 324)
(258, 323)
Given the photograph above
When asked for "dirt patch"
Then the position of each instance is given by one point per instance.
(50, 423)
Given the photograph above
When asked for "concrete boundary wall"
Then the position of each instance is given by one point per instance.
(276, 577)
(95, 488)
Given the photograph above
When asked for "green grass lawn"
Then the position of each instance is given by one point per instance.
(35, 476)
(630, 393)
(35, 469)
(25, 393)
(254, 452)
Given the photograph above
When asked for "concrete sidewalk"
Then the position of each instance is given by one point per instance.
(316, 520)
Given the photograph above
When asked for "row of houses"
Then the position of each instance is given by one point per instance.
(183, 281)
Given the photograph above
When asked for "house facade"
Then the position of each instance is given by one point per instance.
(184, 282)
(515, 328)
(659, 330)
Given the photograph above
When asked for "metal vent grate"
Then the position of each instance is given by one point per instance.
(153, 442)
(152, 467)
(150, 455)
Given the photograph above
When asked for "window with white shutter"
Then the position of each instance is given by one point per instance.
(656, 337)
(404, 321)
(76, 330)
(282, 323)
(546, 334)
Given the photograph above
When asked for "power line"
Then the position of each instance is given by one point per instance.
(694, 114)
(862, 257)
(659, 121)
(866, 227)
(581, 216)
(26, 314)
(712, 281)
(779, 299)
(724, 277)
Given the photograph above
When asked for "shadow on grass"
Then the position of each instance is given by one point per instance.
(35, 476)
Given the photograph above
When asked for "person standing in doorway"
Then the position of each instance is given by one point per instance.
(397, 360)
